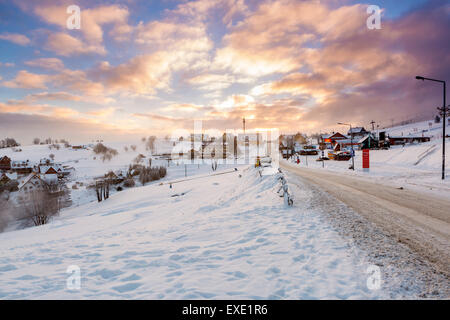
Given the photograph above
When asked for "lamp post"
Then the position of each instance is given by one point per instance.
(351, 141)
(444, 118)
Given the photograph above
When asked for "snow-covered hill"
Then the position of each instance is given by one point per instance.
(223, 237)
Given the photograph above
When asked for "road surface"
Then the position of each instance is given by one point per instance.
(420, 221)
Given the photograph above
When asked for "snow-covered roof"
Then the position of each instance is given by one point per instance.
(28, 179)
(365, 138)
(10, 175)
(20, 164)
(356, 130)
(408, 137)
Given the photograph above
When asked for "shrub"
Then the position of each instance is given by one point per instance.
(107, 153)
(129, 183)
(151, 174)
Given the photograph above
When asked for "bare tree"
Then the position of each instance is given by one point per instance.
(102, 190)
(151, 143)
(40, 206)
(5, 211)
(36, 141)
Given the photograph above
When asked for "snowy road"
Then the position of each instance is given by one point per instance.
(420, 221)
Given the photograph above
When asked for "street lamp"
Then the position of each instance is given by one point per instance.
(351, 141)
(444, 118)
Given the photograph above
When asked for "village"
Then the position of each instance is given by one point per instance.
(340, 146)
(111, 171)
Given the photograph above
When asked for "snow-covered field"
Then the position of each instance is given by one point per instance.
(88, 165)
(223, 236)
(227, 236)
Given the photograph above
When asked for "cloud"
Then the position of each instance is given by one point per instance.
(284, 63)
(46, 63)
(92, 21)
(18, 106)
(27, 80)
(76, 130)
(7, 64)
(66, 45)
(15, 38)
(53, 96)
(203, 10)
(105, 112)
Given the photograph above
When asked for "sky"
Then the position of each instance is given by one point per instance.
(140, 67)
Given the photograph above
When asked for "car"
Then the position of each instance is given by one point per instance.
(309, 151)
(342, 156)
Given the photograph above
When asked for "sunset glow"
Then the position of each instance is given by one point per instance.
(148, 67)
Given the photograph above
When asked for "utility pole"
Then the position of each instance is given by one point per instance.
(351, 142)
(373, 125)
(444, 115)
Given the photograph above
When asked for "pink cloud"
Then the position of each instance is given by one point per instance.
(16, 38)
(27, 80)
(46, 63)
(66, 45)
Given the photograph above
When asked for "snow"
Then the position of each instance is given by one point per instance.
(87, 165)
(416, 166)
(221, 237)
(221, 234)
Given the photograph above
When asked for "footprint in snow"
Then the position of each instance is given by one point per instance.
(133, 277)
(8, 267)
(127, 287)
(106, 273)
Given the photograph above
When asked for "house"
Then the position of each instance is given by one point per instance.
(332, 138)
(286, 146)
(45, 162)
(50, 175)
(5, 177)
(342, 144)
(21, 167)
(358, 132)
(32, 182)
(399, 140)
(5, 163)
(368, 142)
(114, 178)
(327, 141)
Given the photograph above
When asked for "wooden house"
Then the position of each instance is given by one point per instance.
(368, 142)
(32, 182)
(21, 167)
(332, 138)
(358, 132)
(399, 140)
(5, 163)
